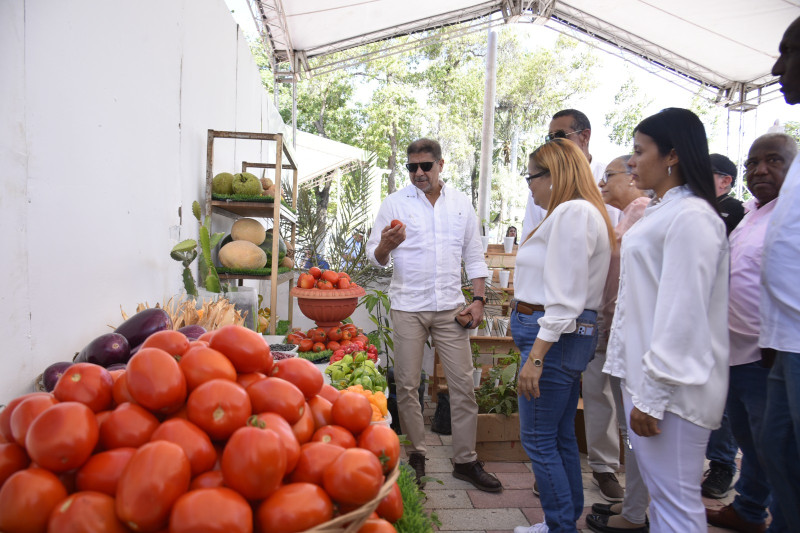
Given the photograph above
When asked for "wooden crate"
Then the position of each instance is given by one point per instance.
(497, 438)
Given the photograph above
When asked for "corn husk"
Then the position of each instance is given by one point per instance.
(212, 314)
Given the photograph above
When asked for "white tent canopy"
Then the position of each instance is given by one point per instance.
(318, 158)
(728, 46)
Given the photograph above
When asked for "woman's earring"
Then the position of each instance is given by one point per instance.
(669, 171)
(630, 184)
(551, 187)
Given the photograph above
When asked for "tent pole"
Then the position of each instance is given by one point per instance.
(294, 112)
(487, 137)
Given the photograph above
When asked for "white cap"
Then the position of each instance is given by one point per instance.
(777, 127)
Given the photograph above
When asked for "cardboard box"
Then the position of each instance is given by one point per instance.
(497, 438)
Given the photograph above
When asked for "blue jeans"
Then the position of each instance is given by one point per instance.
(780, 436)
(547, 423)
(747, 400)
(721, 449)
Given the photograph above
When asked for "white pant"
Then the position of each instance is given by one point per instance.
(637, 499)
(600, 417)
(671, 464)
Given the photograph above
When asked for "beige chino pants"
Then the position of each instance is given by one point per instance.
(451, 341)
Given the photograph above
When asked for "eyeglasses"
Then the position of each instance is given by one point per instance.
(560, 134)
(530, 177)
(425, 166)
(608, 174)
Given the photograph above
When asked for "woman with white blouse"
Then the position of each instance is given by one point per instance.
(669, 338)
(559, 277)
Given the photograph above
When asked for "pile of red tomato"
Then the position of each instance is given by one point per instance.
(207, 435)
(342, 339)
(325, 280)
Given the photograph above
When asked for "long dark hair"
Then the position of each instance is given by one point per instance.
(681, 130)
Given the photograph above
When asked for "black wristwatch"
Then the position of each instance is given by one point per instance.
(480, 299)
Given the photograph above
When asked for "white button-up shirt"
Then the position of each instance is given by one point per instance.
(669, 338)
(427, 265)
(563, 266)
(780, 274)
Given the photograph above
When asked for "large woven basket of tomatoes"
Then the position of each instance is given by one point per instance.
(204, 435)
(326, 296)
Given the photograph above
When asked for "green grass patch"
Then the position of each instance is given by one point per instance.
(251, 198)
(316, 357)
(415, 518)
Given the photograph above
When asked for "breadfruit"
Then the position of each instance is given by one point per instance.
(246, 183)
(266, 183)
(222, 183)
(287, 262)
(242, 255)
(248, 229)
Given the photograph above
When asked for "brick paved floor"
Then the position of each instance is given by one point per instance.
(463, 509)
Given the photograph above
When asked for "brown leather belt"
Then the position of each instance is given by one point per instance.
(526, 309)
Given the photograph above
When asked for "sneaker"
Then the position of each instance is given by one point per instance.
(475, 474)
(609, 486)
(417, 462)
(541, 527)
(535, 487)
(717, 483)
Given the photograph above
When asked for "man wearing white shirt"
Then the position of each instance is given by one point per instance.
(427, 229)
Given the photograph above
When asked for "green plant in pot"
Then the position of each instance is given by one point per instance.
(502, 398)
(186, 251)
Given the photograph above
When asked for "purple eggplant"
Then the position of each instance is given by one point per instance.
(143, 324)
(53, 373)
(106, 350)
(192, 332)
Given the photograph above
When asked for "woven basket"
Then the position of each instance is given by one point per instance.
(352, 521)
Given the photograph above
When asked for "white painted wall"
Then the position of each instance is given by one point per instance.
(105, 108)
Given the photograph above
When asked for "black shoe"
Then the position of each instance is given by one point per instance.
(599, 524)
(417, 462)
(603, 509)
(475, 474)
(718, 482)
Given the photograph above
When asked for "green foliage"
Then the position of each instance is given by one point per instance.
(415, 518)
(186, 251)
(282, 327)
(378, 306)
(792, 128)
(630, 104)
(503, 398)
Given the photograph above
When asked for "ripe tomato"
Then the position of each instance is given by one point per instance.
(330, 275)
(212, 510)
(294, 507)
(352, 411)
(351, 328)
(329, 392)
(346, 336)
(26, 412)
(102, 471)
(383, 442)
(395, 223)
(303, 429)
(155, 380)
(332, 346)
(86, 383)
(83, 512)
(315, 272)
(244, 347)
(194, 442)
(144, 499)
(302, 373)
(253, 462)
(294, 338)
(334, 333)
(171, 341)
(377, 525)
(306, 281)
(5, 414)
(245, 380)
(280, 426)
(207, 480)
(363, 339)
(391, 507)
(202, 364)
(120, 391)
(276, 395)
(314, 458)
(305, 345)
(206, 337)
(12, 459)
(344, 275)
(334, 435)
(129, 425)
(354, 477)
(317, 335)
(318, 347)
(219, 407)
(63, 437)
(324, 285)
(27, 498)
(320, 411)
(343, 283)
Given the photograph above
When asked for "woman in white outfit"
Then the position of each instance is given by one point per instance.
(669, 341)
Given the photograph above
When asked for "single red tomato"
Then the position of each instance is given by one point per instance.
(219, 407)
(317, 335)
(197, 343)
(377, 525)
(86, 512)
(206, 337)
(305, 345)
(314, 458)
(294, 507)
(245, 380)
(315, 272)
(203, 364)
(295, 338)
(320, 411)
(143, 499)
(280, 426)
(5, 414)
(208, 480)
(127, 426)
(363, 339)
(346, 336)
(344, 275)
(26, 412)
(329, 392)
(120, 390)
(302, 373)
(155, 381)
(279, 396)
(194, 442)
(63, 437)
(352, 411)
(354, 477)
(332, 346)
(27, 498)
(334, 333)
(211, 510)
(395, 223)
(102, 471)
(324, 285)
(330, 275)
(303, 429)
(253, 462)
(14, 458)
(171, 341)
(383, 442)
(334, 435)
(245, 348)
(318, 347)
(86, 383)
(391, 507)
(343, 283)
(306, 281)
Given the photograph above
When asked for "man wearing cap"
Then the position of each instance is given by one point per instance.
(730, 208)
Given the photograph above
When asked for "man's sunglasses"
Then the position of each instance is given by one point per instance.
(530, 177)
(559, 134)
(426, 166)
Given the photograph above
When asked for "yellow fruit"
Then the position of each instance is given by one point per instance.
(242, 255)
(248, 229)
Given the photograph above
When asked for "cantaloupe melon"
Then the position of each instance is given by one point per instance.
(248, 229)
(242, 255)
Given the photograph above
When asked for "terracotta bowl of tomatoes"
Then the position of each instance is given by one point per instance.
(327, 308)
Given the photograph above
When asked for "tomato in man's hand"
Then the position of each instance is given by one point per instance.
(395, 223)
